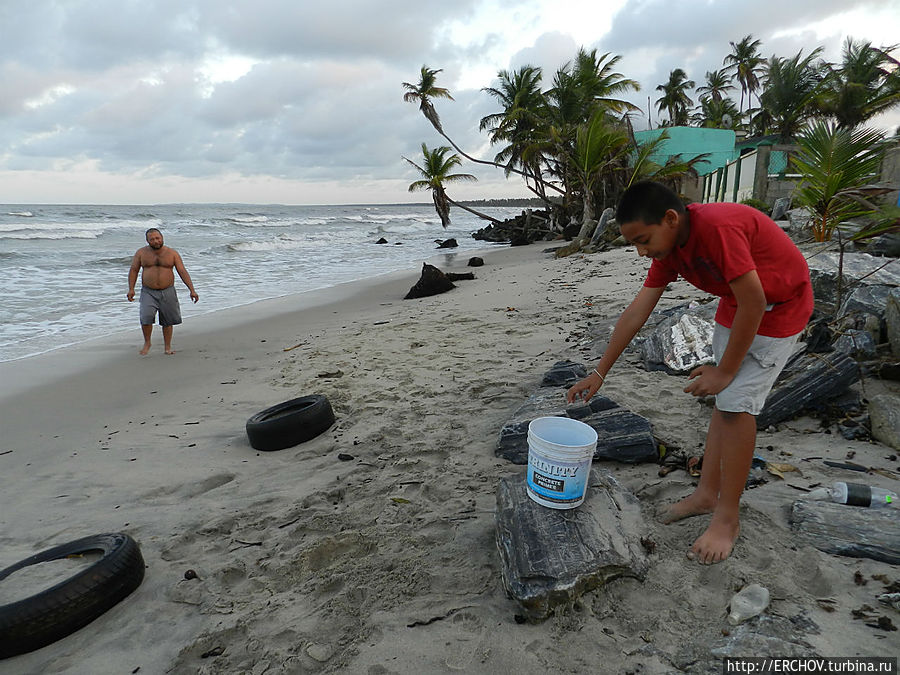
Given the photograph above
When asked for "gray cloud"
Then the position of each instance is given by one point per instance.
(125, 85)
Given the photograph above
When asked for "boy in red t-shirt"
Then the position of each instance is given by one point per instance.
(741, 255)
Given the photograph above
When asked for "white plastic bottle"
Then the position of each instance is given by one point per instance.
(856, 494)
(750, 601)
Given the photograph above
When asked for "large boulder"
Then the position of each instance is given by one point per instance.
(860, 270)
(892, 320)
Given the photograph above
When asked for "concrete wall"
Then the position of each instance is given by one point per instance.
(690, 142)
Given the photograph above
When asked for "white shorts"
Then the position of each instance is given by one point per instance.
(765, 359)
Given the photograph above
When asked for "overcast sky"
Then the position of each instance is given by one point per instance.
(300, 102)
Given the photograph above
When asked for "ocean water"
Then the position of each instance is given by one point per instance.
(64, 268)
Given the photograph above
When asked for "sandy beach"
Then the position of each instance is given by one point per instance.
(385, 562)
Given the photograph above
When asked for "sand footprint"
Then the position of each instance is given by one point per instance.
(470, 642)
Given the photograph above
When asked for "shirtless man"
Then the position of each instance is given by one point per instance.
(158, 287)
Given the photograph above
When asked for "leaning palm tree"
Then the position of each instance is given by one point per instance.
(745, 64)
(866, 83)
(792, 87)
(425, 90)
(835, 163)
(675, 100)
(436, 172)
(718, 83)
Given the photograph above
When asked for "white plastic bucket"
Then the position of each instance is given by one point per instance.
(560, 452)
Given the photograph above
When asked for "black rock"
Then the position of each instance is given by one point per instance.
(475, 261)
(563, 374)
(382, 241)
(448, 243)
(432, 282)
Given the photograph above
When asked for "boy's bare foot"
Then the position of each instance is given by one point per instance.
(146, 349)
(692, 505)
(169, 350)
(715, 544)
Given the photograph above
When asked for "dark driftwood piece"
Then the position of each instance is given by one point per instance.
(432, 282)
(809, 381)
(551, 557)
(851, 531)
(621, 434)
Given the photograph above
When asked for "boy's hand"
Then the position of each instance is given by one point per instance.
(584, 389)
(709, 380)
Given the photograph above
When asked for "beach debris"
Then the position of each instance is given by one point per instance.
(606, 231)
(447, 243)
(750, 601)
(460, 276)
(780, 468)
(293, 347)
(681, 342)
(190, 574)
(529, 226)
(334, 374)
(215, 651)
(890, 599)
(621, 434)
(432, 282)
(550, 557)
(290, 423)
(475, 261)
(858, 269)
(344, 457)
(780, 208)
(807, 381)
(853, 532)
(884, 416)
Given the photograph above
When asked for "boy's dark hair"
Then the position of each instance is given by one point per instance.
(647, 201)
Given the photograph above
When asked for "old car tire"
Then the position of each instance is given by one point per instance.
(290, 423)
(52, 614)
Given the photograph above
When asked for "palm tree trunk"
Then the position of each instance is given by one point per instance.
(483, 216)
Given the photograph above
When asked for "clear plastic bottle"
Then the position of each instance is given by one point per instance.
(856, 494)
(750, 601)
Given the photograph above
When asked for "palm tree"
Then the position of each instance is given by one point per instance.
(717, 84)
(866, 83)
(835, 163)
(675, 100)
(424, 91)
(745, 64)
(518, 123)
(598, 145)
(599, 84)
(436, 172)
(721, 114)
(792, 86)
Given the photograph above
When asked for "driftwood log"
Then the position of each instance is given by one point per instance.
(551, 557)
(852, 531)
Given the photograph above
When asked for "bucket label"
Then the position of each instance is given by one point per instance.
(557, 481)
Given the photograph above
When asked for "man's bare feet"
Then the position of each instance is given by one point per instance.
(715, 544)
(146, 349)
(692, 505)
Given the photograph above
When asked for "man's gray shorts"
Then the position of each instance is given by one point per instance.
(164, 301)
(765, 359)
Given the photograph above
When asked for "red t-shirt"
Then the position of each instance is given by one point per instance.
(728, 240)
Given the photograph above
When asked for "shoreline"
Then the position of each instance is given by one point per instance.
(24, 373)
(371, 548)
